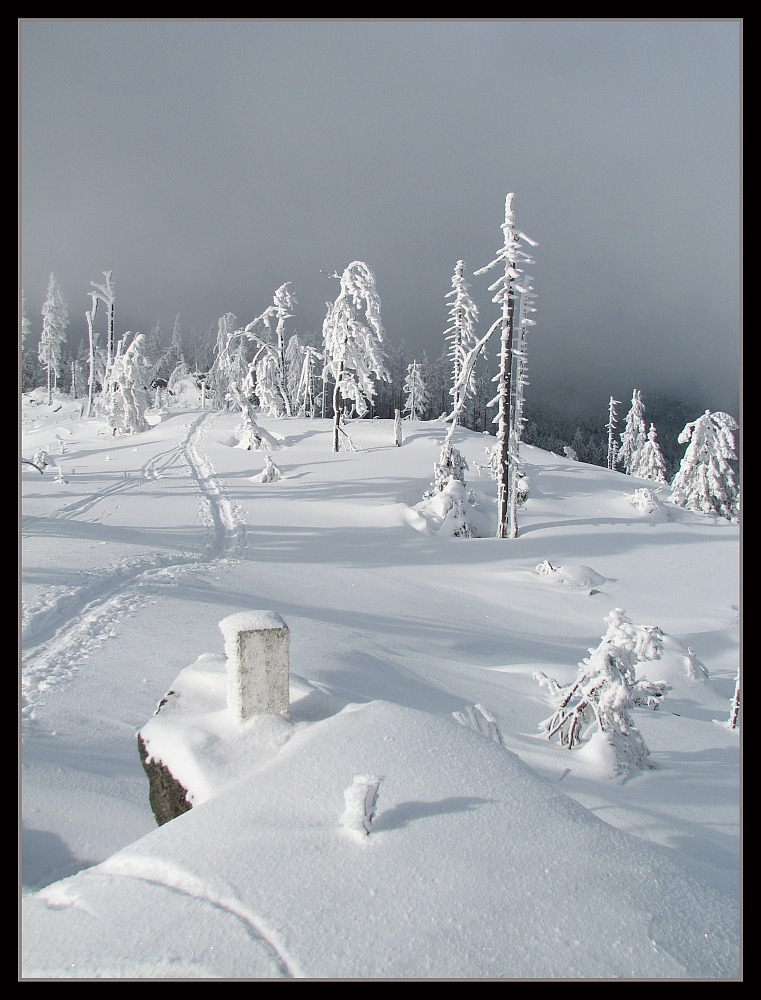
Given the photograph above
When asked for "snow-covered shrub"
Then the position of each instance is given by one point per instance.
(482, 721)
(271, 473)
(606, 690)
(360, 799)
(643, 500)
(705, 482)
(247, 432)
(570, 453)
(451, 465)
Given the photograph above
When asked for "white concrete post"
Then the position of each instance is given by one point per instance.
(256, 646)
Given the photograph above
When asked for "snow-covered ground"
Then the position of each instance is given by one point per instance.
(483, 860)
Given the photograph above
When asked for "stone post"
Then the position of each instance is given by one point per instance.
(256, 646)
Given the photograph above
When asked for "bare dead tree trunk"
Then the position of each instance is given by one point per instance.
(336, 406)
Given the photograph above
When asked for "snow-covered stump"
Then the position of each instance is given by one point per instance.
(256, 646)
(360, 800)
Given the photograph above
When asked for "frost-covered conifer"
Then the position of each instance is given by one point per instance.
(294, 359)
(511, 255)
(55, 319)
(650, 463)
(520, 380)
(26, 325)
(611, 425)
(706, 480)
(126, 394)
(633, 436)
(463, 316)
(606, 689)
(106, 296)
(306, 392)
(353, 338)
(418, 398)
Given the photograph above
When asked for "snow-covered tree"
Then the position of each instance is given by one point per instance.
(294, 357)
(650, 463)
(633, 436)
(55, 319)
(706, 480)
(306, 391)
(106, 296)
(284, 302)
(26, 325)
(511, 255)
(417, 399)
(520, 381)
(126, 395)
(353, 339)
(607, 689)
(463, 317)
(611, 425)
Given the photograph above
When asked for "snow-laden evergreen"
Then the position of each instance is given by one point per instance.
(518, 489)
(463, 317)
(706, 480)
(55, 319)
(106, 296)
(611, 425)
(633, 436)
(26, 325)
(306, 391)
(648, 462)
(605, 691)
(511, 255)
(126, 398)
(353, 340)
(418, 396)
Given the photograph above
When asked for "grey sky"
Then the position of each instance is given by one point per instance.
(207, 163)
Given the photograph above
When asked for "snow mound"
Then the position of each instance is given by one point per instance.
(582, 577)
(463, 828)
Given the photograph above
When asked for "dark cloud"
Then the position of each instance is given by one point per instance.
(206, 163)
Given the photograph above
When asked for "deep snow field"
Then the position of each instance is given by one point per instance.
(527, 860)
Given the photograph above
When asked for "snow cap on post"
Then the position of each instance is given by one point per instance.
(256, 646)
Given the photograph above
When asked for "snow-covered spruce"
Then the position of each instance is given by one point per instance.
(55, 319)
(360, 800)
(649, 463)
(611, 425)
(125, 395)
(463, 317)
(518, 486)
(353, 341)
(418, 397)
(633, 436)
(606, 689)
(705, 482)
(511, 255)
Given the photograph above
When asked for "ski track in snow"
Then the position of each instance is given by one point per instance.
(176, 879)
(61, 629)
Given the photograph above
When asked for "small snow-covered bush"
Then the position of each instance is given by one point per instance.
(482, 721)
(271, 473)
(247, 432)
(643, 500)
(607, 689)
(450, 465)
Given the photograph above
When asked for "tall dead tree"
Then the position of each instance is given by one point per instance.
(511, 256)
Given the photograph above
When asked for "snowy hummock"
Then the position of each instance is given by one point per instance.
(465, 874)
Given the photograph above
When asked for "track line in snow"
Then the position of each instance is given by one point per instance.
(170, 876)
(61, 630)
